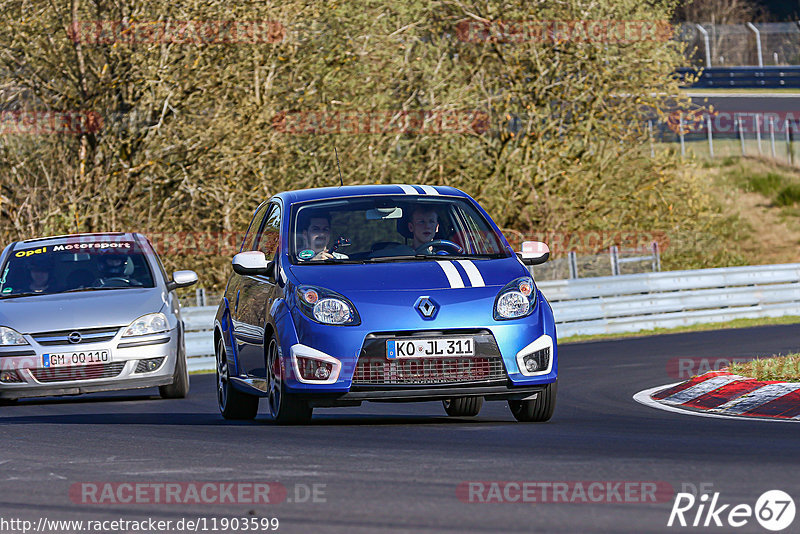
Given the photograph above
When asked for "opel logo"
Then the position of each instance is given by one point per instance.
(74, 337)
(426, 307)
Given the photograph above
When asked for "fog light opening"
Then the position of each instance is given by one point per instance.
(10, 377)
(536, 362)
(311, 369)
(149, 365)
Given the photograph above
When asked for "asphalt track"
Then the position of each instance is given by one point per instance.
(396, 467)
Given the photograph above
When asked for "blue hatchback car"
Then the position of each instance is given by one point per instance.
(382, 293)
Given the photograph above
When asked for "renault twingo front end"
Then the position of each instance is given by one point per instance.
(382, 293)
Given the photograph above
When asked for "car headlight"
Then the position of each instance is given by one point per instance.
(517, 299)
(9, 336)
(152, 323)
(326, 307)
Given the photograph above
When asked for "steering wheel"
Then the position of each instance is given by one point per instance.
(441, 243)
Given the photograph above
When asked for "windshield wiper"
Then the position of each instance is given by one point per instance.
(399, 258)
(95, 288)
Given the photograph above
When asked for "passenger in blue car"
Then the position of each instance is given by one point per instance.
(317, 235)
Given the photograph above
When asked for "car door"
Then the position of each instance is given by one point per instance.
(243, 336)
(256, 295)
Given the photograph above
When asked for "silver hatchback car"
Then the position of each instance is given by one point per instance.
(89, 312)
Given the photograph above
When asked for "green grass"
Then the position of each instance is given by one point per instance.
(775, 368)
(736, 323)
(788, 196)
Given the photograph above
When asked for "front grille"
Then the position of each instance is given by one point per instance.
(375, 369)
(82, 372)
(421, 371)
(88, 335)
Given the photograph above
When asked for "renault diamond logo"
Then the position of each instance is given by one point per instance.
(75, 337)
(426, 307)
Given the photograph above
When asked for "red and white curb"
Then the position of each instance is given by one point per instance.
(726, 395)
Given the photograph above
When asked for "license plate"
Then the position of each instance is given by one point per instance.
(72, 359)
(430, 347)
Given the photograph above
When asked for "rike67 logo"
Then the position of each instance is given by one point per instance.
(774, 510)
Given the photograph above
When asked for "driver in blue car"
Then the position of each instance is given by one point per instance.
(423, 225)
(317, 235)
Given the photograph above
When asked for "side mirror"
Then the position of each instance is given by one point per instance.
(252, 263)
(534, 253)
(182, 279)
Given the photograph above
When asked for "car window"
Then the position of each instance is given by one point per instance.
(381, 228)
(252, 230)
(268, 237)
(75, 266)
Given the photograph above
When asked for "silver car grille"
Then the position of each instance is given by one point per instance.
(82, 372)
(88, 335)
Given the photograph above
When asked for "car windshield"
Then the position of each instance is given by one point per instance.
(391, 228)
(67, 267)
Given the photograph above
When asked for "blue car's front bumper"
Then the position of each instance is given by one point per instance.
(463, 312)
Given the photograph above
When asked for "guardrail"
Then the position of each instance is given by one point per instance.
(765, 77)
(617, 304)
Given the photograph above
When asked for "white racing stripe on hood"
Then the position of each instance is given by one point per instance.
(475, 278)
(429, 190)
(452, 274)
(408, 190)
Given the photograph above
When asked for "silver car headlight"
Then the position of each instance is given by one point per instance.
(9, 336)
(517, 299)
(152, 323)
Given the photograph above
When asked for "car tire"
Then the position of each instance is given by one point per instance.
(233, 404)
(463, 406)
(537, 410)
(285, 408)
(180, 378)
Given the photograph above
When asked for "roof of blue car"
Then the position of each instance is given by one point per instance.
(303, 195)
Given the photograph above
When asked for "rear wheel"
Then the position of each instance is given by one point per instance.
(233, 404)
(180, 378)
(537, 410)
(463, 406)
(285, 408)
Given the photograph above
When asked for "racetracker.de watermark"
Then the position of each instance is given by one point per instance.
(49, 122)
(354, 122)
(592, 241)
(687, 367)
(209, 32)
(556, 31)
(571, 492)
(195, 492)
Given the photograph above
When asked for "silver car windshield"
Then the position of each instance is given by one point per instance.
(49, 269)
(391, 228)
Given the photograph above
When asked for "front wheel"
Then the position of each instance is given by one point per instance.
(285, 408)
(537, 410)
(233, 404)
(463, 406)
(180, 378)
